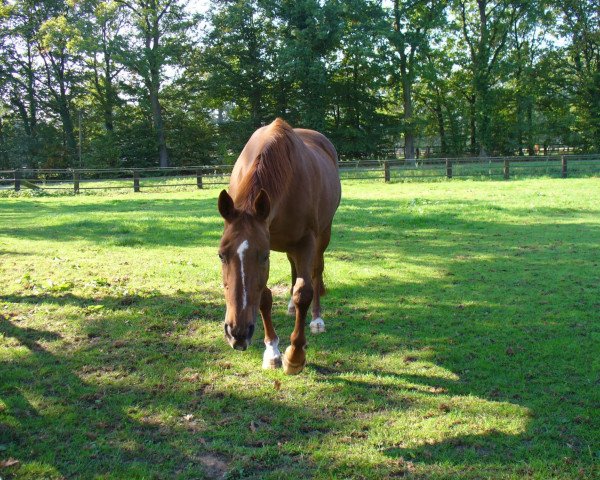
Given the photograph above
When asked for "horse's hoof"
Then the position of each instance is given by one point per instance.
(291, 308)
(272, 363)
(291, 368)
(317, 326)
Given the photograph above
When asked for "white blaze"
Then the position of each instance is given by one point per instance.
(240, 251)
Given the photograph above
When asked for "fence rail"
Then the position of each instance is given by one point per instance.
(204, 176)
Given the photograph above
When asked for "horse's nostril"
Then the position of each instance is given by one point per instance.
(250, 331)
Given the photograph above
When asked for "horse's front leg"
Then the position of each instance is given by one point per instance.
(294, 358)
(272, 355)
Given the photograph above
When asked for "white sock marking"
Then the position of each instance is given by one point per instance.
(272, 349)
(240, 251)
(271, 353)
(317, 325)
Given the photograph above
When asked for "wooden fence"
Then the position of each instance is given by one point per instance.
(77, 180)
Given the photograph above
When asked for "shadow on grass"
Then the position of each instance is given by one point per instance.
(152, 303)
(125, 222)
(509, 310)
(89, 427)
(138, 222)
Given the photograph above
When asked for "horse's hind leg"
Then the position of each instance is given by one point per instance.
(291, 306)
(318, 325)
(272, 355)
(294, 358)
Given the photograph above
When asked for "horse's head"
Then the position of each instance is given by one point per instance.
(244, 254)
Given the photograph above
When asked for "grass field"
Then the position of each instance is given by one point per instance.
(463, 340)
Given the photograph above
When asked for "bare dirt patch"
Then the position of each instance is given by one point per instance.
(214, 467)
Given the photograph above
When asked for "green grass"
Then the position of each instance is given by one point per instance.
(463, 340)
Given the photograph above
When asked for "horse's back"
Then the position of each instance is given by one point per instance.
(298, 169)
(317, 141)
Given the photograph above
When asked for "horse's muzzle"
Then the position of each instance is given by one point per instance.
(238, 340)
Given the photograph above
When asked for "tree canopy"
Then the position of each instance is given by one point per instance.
(125, 83)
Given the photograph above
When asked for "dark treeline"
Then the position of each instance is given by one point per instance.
(153, 82)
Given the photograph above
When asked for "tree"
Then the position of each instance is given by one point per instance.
(159, 38)
(528, 44)
(102, 45)
(237, 65)
(359, 121)
(307, 34)
(56, 41)
(485, 26)
(437, 92)
(581, 26)
(412, 24)
(19, 71)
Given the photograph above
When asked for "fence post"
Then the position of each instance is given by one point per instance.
(136, 181)
(199, 178)
(564, 166)
(506, 169)
(17, 179)
(75, 181)
(448, 168)
(386, 171)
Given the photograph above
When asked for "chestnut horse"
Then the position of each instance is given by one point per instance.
(283, 194)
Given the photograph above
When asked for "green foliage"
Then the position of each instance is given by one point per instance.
(581, 24)
(155, 83)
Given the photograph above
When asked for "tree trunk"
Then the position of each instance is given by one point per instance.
(409, 136)
(530, 144)
(67, 121)
(57, 69)
(482, 106)
(281, 97)
(472, 126)
(520, 121)
(152, 43)
(18, 103)
(31, 95)
(406, 83)
(439, 114)
(109, 93)
(256, 76)
(255, 106)
(4, 160)
(26, 105)
(109, 89)
(163, 155)
(69, 131)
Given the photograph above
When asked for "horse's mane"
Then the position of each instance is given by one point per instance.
(272, 168)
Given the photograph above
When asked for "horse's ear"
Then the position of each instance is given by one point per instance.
(226, 206)
(262, 205)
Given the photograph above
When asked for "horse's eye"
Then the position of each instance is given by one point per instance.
(222, 257)
(264, 257)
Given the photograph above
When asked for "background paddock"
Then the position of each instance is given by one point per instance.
(109, 180)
